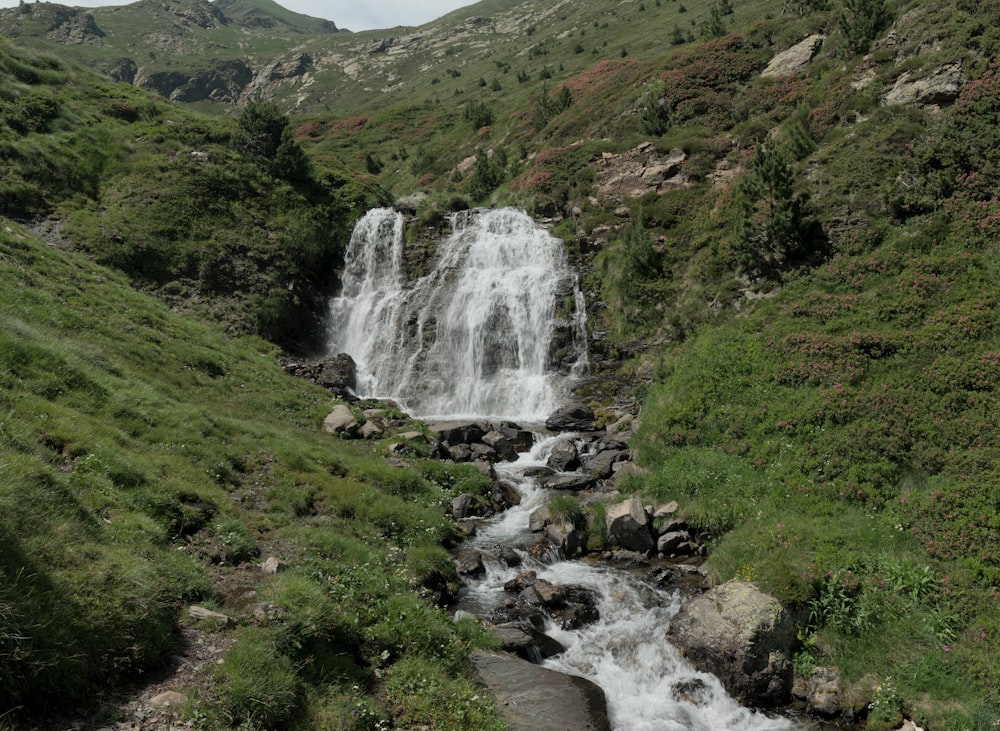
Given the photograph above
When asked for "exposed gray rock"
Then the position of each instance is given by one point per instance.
(532, 698)
(674, 543)
(539, 518)
(941, 87)
(574, 417)
(273, 565)
(570, 481)
(600, 464)
(466, 506)
(522, 639)
(564, 536)
(741, 635)
(501, 444)
(628, 526)
(564, 456)
(823, 693)
(469, 563)
(373, 429)
(795, 59)
(340, 421)
(463, 433)
(201, 613)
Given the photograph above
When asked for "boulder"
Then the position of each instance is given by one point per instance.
(464, 433)
(522, 439)
(601, 464)
(674, 543)
(823, 691)
(628, 526)
(373, 429)
(563, 535)
(539, 518)
(469, 563)
(796, 58)
(533, 698)
(570, 481)
(466, 506)
(564, 456)
(502, 445)
(338, 373)
(941, 87)
(273, 565)
(741, 635)
(340, 421)
(525, 641)
(574, 417)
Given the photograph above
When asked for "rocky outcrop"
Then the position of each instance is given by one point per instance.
(795, 59)
(533, 698)
(741, 635)
(940, 88)
(639, 171)
(222, 83)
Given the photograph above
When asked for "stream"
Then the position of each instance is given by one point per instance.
(495, 331)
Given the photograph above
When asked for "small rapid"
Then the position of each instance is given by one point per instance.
(648, 685)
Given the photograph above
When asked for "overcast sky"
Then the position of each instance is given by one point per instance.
(350, 14)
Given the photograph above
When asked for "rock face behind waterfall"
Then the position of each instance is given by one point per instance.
(743, 636)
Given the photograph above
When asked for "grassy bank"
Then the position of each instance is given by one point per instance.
(144, 455)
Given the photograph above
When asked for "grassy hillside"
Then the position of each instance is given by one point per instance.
(807, 308)
(148, 462)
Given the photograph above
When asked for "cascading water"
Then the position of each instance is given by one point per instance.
(477, 336)
(649, 686)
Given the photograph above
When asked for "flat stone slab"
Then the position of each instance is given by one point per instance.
(533, 698)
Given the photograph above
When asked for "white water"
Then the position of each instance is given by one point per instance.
(473, 338)
(626, 651)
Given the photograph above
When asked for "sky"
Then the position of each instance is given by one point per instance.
(350, 14)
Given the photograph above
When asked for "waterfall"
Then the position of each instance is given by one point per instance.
(491, 331)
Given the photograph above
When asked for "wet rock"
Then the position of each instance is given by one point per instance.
(600, 464)
(505, 495)
(691, 690)
(628, 526)
(483, 453)
(469, 563)
(521, 439)
(741, 635)
(574, 417)
(458, 452)
(502, 446)
(564, 456)
(539, 518)
(564, 537)
(539, 471)
(505, 554)
(525, 641)
(454, 434)
(338, 373)
(570, 481)
(532, 698)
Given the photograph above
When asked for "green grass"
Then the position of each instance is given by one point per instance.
(128, 433)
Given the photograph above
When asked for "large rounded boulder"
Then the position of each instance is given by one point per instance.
(742, 636)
